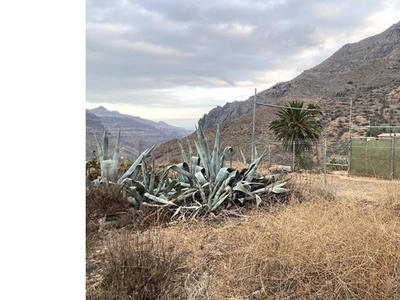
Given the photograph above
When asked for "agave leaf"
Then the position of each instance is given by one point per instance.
(223, 174)
(152, 178)
(200, 177)
(279, 190)
(217, 203)
(243, 187)
(133, 176)
(133, 201)
(176, 211)
(172, 184)
(218, 193)
(145, 175)
(132, 168)
(183, 153)
(189, 147)
(215, 162)
(244, 158)
(99, 150)
(159, 199)
(200, 169)
(183, 170)
(219, 184)
(194, 163)
(203, 151)
(226, 183)
(275, 187)
(258, 200)
(248, 176)
(187, 194)
(270, 176)
(228, 151)
(175, 195)
(105, 146)
(116, 152)
(164, 181)
(196, 212)
(138, 197)
(191, 207)
(107, 170)
(201, 191)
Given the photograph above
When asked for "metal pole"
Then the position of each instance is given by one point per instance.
(253, 148)
(324, 159)
(293, 156)
(392, 160)
(269, 153)
(350, 124)
(349, 150)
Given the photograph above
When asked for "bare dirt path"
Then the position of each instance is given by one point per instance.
(362, 188)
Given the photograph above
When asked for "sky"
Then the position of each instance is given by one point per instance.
(175, 60)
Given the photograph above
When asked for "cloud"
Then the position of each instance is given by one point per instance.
(161, 52)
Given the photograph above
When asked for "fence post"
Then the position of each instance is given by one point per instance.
(294, 154)
(392, 160)
(324, 160)
(269, 153)
(349, 157)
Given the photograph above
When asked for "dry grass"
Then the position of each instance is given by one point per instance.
(327, 243)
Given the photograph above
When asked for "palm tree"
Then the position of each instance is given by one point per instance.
(297, 126)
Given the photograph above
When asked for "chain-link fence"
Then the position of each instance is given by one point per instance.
(296, 156)
(372, 157)
(375, 157)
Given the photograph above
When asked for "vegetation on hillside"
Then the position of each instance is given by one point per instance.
(297, 127)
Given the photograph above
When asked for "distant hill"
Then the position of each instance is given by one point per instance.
(366, 73)
(137, 133)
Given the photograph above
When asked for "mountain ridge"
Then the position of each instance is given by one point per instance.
(364, 75)
(136, 133)
(310, 82)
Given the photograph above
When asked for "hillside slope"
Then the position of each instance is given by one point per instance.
(136, 133)
(366, 73)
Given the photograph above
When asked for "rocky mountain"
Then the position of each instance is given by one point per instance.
(137, 133)
(367, 71)
(364, 75)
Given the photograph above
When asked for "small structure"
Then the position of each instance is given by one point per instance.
(389, 135)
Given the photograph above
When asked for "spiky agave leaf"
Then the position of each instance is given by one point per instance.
(183, 153)
(227, 153)
(116, 152)
(159, 199)
(183, 172)
(99, 150)
(138, 161)
(215, 162)
(134, 174)
(189, 147)
(105, 145)
(243, 158)
(248, 176)
(200, 177)
(152, 178)
(245, 188)
(194, 163)
(203, 151)
(275, 187)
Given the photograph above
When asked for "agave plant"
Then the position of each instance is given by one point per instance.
(214, 183)
(108, 166)
(201, 183)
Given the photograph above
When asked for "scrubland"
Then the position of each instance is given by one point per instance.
(334, 241)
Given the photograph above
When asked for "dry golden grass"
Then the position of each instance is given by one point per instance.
(341, 241)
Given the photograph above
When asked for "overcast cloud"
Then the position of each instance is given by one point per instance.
(175, 60)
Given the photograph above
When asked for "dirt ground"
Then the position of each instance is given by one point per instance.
(362, 188)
